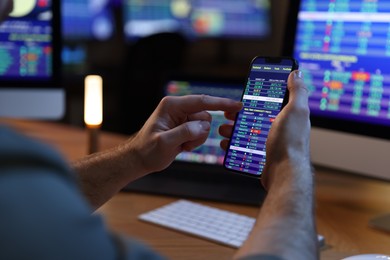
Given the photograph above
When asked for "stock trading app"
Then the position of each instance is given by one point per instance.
(26, 43)
(262, 100)
(343, 48)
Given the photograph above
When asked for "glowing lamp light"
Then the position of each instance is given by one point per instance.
(93, 101)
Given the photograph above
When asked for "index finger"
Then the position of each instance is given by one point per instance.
(196, 103)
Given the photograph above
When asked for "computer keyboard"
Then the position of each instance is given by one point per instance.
(221, 226)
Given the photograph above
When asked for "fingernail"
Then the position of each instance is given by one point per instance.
(204, 125)
(298, 74)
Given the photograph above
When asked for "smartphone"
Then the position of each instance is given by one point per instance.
(264, 95)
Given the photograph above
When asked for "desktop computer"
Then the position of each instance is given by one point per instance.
(343, 50)
(199, 174)
(30, 62)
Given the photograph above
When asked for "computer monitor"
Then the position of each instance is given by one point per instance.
(200, 174)
(343, 50)
(30, 62)
(197, 18)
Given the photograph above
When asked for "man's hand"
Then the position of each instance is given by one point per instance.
(178, 124)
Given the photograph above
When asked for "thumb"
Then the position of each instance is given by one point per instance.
(298, 91)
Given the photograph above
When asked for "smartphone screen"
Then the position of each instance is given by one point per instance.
(264, 96)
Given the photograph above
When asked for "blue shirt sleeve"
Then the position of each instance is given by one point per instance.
(43, 213)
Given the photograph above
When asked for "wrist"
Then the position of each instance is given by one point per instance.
(130, 160)
(294, 172)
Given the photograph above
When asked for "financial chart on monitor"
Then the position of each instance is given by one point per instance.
(26, 44)
(343, 47)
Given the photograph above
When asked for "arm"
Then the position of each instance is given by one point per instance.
(285, 226)
(177, 124)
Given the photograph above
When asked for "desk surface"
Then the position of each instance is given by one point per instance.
(344, 204)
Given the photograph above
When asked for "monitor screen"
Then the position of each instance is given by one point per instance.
(197, 18)
(30, 61)
(84, 20)
(210, 152)
(26, 43)
(343, 50)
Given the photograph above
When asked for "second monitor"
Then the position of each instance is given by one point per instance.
(199, 173)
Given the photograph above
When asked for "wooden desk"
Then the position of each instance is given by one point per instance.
(344, 204)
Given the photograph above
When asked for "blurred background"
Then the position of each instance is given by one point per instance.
(139, 45)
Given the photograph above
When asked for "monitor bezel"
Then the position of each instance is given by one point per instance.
(335, 124)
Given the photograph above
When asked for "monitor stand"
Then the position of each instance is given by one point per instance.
(32, 103)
